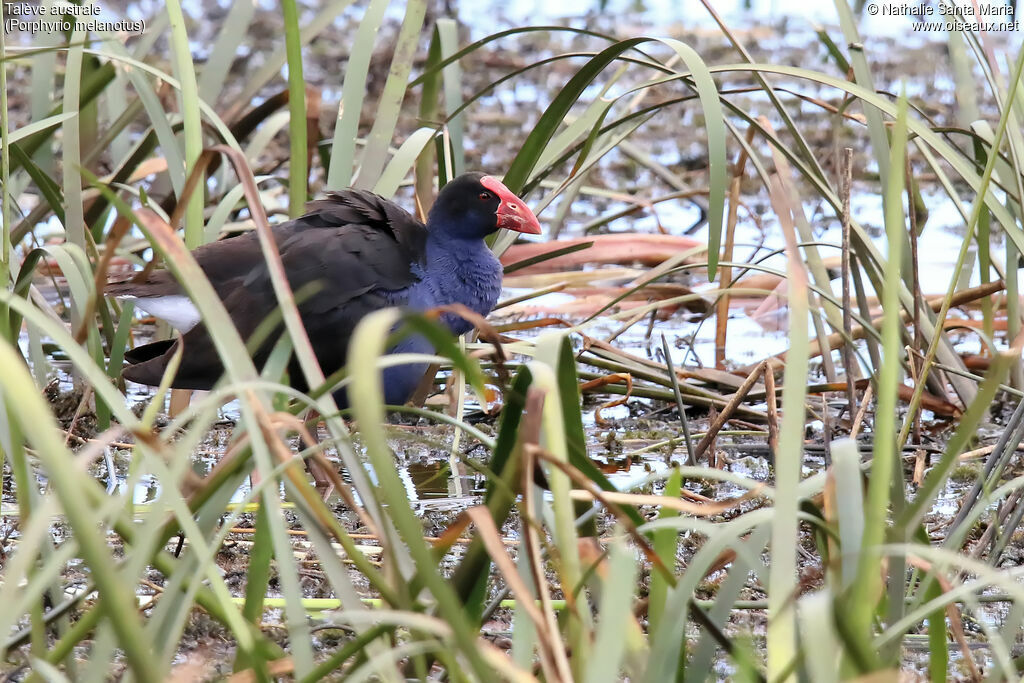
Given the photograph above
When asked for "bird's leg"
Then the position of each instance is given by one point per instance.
(425, 386)
(180, 398)
(321, 478)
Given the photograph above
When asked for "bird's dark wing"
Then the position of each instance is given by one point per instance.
(348, 254)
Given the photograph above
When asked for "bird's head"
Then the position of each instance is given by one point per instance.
(474, 205)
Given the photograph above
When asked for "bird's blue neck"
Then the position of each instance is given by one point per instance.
(460, 270)
(440, 244)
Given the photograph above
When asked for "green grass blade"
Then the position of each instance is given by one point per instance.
(343, 147)
(402, 161)
(557, 432)
(782, 579)
(821, 645)
(298, 171)
(849, 507)
(666, 545)
(448, 37)
(6, 199)
(390, 104)
(862, 74)
(884, 463)
(184, 69)
(367, 345)
(31, 129)
(74, 219)
(271, 68)
(232, 33)
(117, 595)
(46, 185)
(615, 616)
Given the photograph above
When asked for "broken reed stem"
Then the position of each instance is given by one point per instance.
(918, 337)
(761, 370)
(82, 404)
(690, 459)
(912, 364)
(857, 421)
(625, 326)
(773, 412)
(848, 359)
(826, 429)
(988, 541)
(725, 271)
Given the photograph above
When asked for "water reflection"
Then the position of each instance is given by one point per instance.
(429, 479)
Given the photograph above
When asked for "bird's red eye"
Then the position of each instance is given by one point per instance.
(486, 196)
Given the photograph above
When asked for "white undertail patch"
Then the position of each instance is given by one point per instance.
(177, 309)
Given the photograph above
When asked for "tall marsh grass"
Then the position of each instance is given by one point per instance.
(827, 575)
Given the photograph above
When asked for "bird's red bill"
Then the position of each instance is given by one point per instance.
(513, 213)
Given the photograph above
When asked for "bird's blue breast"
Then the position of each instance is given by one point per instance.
(464, 276)
(467, 274)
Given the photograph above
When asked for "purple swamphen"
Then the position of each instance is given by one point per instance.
(362, 253)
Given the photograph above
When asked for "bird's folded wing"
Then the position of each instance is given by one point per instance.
(351, 254)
